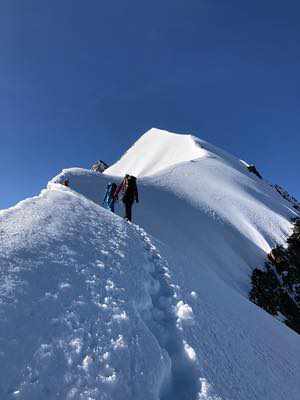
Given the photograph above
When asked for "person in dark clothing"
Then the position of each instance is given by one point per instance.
(66, 182)
(128, 189)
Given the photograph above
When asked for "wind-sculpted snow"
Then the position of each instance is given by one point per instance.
(155, 151)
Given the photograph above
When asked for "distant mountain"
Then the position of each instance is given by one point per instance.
(93, 307)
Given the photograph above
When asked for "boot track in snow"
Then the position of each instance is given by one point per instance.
(183, 380)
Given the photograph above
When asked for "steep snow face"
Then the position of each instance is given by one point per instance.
(154, 151)
(158, 149)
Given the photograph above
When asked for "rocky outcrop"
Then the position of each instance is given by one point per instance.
(99, 166)
(276, 287)
(287, 196)
(252, 168)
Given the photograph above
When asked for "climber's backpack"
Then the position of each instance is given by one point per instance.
(130, 188)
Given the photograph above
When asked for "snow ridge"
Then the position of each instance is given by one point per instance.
(91, 306)
(182, 382)
(157, 150)
(72, 307)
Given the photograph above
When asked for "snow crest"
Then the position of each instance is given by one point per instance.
(154, 151)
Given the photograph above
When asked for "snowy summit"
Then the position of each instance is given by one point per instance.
(155, 151)
(93, 307)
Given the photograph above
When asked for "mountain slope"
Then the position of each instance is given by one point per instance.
(184, 279)
(154, 151)
(76, 303)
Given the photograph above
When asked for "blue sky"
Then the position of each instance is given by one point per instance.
(83, 80)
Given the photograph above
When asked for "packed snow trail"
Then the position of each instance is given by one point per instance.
(183, 383)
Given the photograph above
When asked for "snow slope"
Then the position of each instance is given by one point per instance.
(77, 293)
(157, 310)
(154, 151)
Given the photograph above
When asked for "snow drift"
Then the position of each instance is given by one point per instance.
(95, 308)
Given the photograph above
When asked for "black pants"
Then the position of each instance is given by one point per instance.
(128, 210)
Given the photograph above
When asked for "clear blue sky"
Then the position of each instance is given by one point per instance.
(82, 80)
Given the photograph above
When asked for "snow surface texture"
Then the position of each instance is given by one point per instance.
(76, 309)
(95, 308)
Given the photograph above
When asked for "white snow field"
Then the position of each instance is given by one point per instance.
(93, 307)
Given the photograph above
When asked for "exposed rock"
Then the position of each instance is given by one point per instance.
(287, 196)
(99, 166)
(252, 168)
(276, 288)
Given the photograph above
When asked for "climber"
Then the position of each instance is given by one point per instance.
(110, 197)
(66, 182)
(129, 191)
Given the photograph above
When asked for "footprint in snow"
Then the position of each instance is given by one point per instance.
(64, 285)
(100, 264)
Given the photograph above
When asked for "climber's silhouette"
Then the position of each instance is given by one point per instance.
(129, 191)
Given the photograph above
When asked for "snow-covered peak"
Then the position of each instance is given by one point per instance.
(157, 150)
(93, 307)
